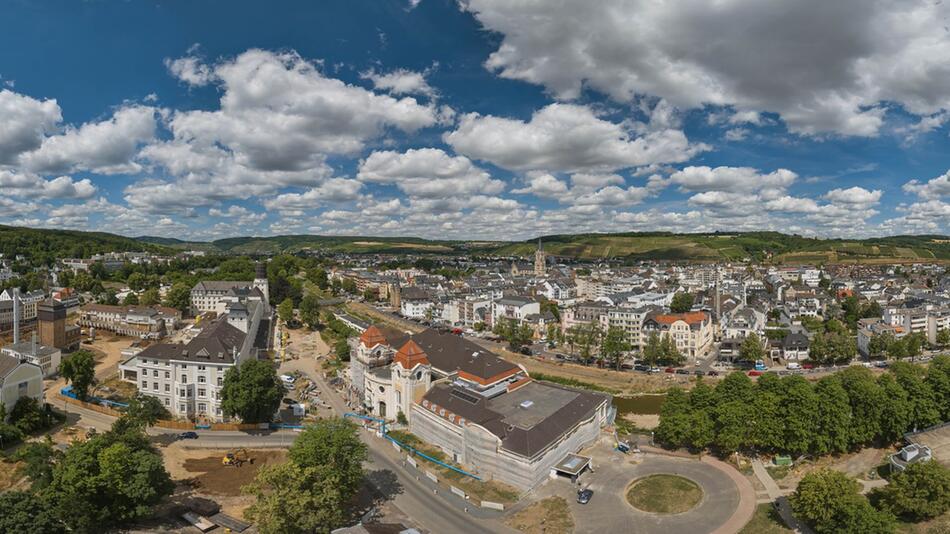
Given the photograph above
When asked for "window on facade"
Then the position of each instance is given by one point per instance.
(155, 386)
(167, 401)
(201, 393)
(382, 389)
(167, 374)
(220, 381)
(184, 379)
(145, 384)
(181, 407)
(201, 380)
(167, 388)
(181, 393)
(155, 372)
(202, 407)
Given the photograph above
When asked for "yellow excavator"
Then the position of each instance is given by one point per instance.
(236, 458)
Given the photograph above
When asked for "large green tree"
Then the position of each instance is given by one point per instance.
(832, 418)
(145, 410)
(829, 502)
(681, 303)
(251, 391)
(179, 297)
(310, 310)
(28, 513)
(285, 310)
(920, 492)
(614, 346)
(751, 348)
(108, 480)
(309, 492)
(79, 368)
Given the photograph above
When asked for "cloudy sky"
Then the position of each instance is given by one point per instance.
(484, 119)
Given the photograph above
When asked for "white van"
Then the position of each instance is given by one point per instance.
(793, 365)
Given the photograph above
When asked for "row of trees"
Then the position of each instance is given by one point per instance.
(830, 502)
(661, 350)
(840, 412)
(885, 345)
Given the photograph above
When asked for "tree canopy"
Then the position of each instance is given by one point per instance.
(251, 391)
(310, 491)
(79, 369)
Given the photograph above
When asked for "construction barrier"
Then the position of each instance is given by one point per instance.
(492, 505)
(431, 476)
(411, 461)
(89, 406)
(457, 491)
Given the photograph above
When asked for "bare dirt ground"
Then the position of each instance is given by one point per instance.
(204, 467)
(646, 421)
(857, 465)
(107, 349)
(199, 473)
(548, 516)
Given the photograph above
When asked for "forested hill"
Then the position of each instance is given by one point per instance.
(44, 246)
(760, 246)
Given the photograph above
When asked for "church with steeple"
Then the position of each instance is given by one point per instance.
(540, 261)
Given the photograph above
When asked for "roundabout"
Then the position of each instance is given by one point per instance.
(664, 494)
(653, 493)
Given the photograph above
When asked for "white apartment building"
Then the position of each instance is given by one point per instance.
(187, 377)
(518, 308)
(691, 331)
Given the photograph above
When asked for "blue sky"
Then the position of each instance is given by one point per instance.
(479, 119)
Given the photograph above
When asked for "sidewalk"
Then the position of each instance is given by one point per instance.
(777, 496)
(747, 500)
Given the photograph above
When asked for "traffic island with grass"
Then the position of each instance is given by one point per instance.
(664, 494)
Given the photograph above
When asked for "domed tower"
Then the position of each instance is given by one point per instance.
(260, 281)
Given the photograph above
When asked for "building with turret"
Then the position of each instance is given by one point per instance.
(540, 261)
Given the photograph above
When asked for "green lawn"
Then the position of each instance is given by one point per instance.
(765, 521)
(664, 494)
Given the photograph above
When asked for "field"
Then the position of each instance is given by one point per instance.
(549, 516)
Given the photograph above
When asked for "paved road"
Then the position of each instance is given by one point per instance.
(440, 513)
(609, 511)
(778, 497)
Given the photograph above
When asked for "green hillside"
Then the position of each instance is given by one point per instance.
(772, 246)
(297, 243)
(44, 246)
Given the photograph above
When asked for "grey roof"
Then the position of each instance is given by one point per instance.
(26, 347)
(219, 285)
(449, 353)
(523, 431)
(7, 365)
(215, 343)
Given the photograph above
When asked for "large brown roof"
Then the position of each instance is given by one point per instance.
(450, 353)
(526, 439)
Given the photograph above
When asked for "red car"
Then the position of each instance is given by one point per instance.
(670, 370)
(808, 366)
(755, 373)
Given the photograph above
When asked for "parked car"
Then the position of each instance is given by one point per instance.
(792, 365)
(583, 496)
(755, 373)
(698, 372)
(669, 370)
(808, 366)
(641, 367)
(288, 401)
(712, 373)
(525, 350)
(682, 371)
(188, 435)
